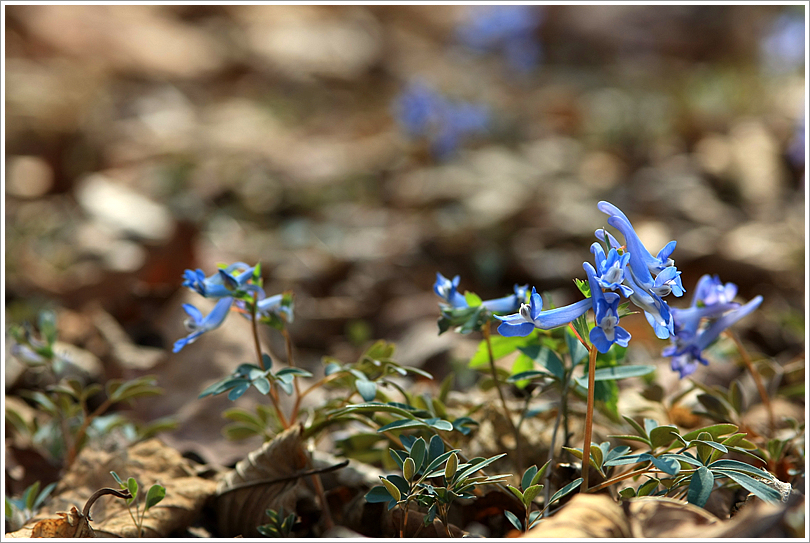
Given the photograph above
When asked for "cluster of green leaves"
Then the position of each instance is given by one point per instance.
(279, 525)
(21, 510)
(541, 360)
(250, 375)
(528, 491)
(154, 496)
(69, 422)
(373, 369)
(464, 320)
(687, 464)
(431, 477)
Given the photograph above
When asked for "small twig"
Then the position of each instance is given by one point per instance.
(285, 479)
(103, 492)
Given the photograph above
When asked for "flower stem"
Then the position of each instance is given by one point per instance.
(766, 401)
(586, 447)
(515, 431)
(289, 348)
(255, 327)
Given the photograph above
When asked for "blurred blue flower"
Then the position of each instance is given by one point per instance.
(265, 307)
(447, 290)
(509, 30)
(198, 324)
(797, 148)
(222, 283)
(531, 316)
(606, 309)
(783, 47)
(424, 113)
(689, 344)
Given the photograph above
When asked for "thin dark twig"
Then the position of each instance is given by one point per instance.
(103, 492)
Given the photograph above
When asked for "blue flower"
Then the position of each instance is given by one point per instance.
(640, 259)
(222, 283)
(424, 113)
(669, 280)
(710, 291)
(510, 303)
(531, 316)
(606, 309)
(447, 290)
(198, 325)
(687, 350)
(610, 269)
(509, 30)
(783, 48)
(655, 309)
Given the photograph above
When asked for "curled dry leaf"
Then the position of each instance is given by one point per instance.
(667, 517)
(268, 478)
(69, 525)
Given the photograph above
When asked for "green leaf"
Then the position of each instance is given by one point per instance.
(118, 479)
(540, 473)
(501, 346)
(473, 299)
(518, 494)
(402, 423)
(583, 286)
(376, 407)
(662, 436)
(649, 424)
(440, 424)
(716, 430)
(528, 475)
(636, 426)
(628, 492)
(478, 466)
(634, 438)
(154, 496)
(546, 359)
(435, 448)
(692, 461)
(240, 388)
(527, 376)
(391, 488)
(292, 371)
(575, 348)
(522, 364)
(238, 431)
(755, 486)
(418, 453)
(132, 485)
(736, 465)
(670, 466)
(513, 519)
(647, 488)
(436, 462)
(564, 491)
(530, 494)
(614, 373)
(367, 389)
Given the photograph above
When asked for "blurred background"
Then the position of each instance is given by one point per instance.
(356, 151)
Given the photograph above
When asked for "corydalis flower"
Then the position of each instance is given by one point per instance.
(447, 290)
(606, 309)
(507, 29)
(265, 307)
(610, 269)
(198, 324)
(531, 316)
(687, 350)
(221, 284)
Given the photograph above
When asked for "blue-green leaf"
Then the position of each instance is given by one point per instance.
(402, 423)
(239, 389)
(757, 487)
(513, 519)
(700, 487)
(564, 491)
(367, 389)
(546, 359)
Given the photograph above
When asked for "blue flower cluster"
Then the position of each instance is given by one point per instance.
(630, 271)
(226, 286)
(424, 113)
(509, 30)
(783, 47)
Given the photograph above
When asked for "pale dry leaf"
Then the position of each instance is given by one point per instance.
(586, 515)
(265, 479)
(667, 517)
(149, 462)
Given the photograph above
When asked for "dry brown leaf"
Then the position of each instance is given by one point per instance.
(266, 479)
(72, 524)
(148, 462)
(586, 515)
(667, 517)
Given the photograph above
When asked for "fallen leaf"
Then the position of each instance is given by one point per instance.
(586, 515)
(266, 479)
(72, 524)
